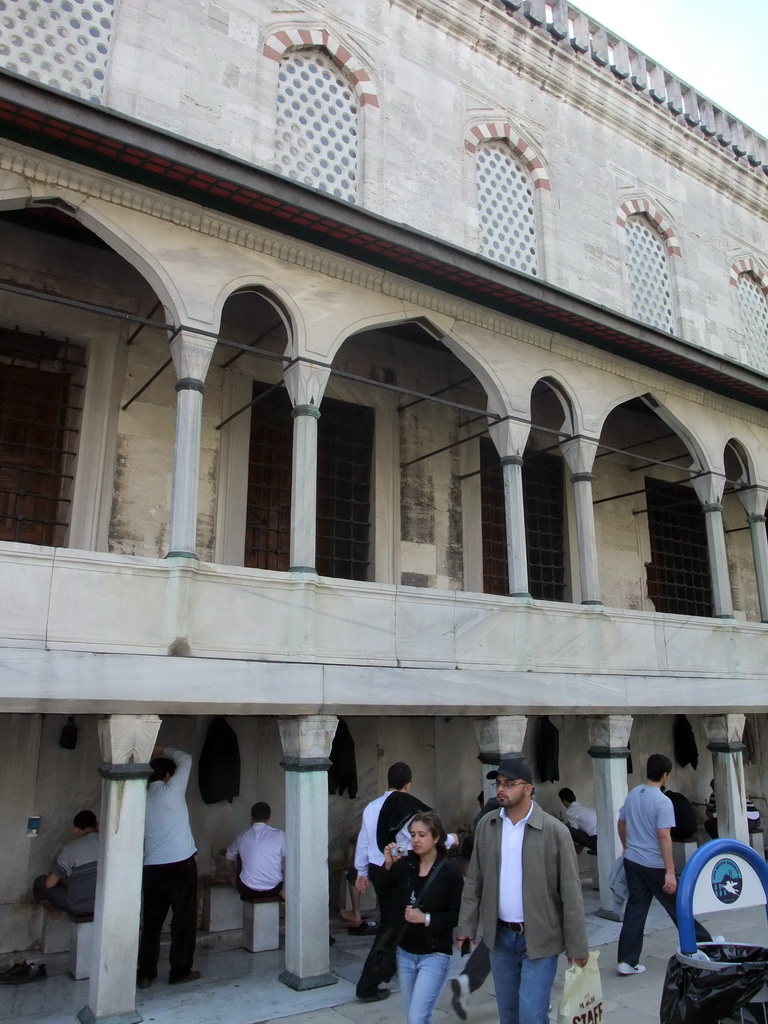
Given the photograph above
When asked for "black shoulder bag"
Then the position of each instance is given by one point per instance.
(380, 965)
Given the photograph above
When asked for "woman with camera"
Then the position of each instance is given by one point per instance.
(424, 891)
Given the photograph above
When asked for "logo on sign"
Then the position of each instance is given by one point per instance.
(727, 880)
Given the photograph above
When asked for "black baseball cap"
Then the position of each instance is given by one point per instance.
(512, 768)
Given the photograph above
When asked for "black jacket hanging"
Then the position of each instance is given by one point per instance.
(218, 771)
(547, 751)
(343, 771)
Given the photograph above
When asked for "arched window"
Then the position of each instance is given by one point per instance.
(317, 131)
(649, 274)
(505, 207)
(754, 312)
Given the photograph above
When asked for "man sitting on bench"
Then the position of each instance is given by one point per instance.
(259, 853)
(70, 885)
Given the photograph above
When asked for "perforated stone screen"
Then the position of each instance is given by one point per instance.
(316, 140)
(649, 275)
(505, 206)
(61, 43)
(754, 310)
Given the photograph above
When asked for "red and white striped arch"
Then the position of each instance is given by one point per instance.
(749, 266)
(287, 39)
(495, 131)
(662, 223)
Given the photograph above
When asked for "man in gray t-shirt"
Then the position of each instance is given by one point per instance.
(645, 823)
(70, 885)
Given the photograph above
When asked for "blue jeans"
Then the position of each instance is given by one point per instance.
(421, 977)
(523, 986)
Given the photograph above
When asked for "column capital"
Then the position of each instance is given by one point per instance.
(306, 741)
(191, 354)
(499, 737)
(579, 452)
(709, 489)
(754, 500)
(724, 733)
(609, 735)
(510, 436)
(305, 382)
(128, 739)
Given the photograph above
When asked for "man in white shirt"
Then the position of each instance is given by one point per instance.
(580, 821)
(523, 889)
(261, 852)
(170, 870)
(385, 820)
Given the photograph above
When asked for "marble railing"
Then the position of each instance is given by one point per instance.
(622, 64)
(90, 602)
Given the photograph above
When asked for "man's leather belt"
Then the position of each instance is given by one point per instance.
(514, 926)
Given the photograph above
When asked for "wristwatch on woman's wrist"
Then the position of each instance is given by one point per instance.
(427, 919)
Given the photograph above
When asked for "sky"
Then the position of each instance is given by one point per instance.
(720, 47)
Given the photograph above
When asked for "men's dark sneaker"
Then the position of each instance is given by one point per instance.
(143, 982)
(24, 974)
(378, 995)
(192, 976)
(460, 996)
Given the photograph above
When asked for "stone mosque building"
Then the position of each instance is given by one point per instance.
(401, 363)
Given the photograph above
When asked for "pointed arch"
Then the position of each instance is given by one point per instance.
(280, 43)
(747, 265)
(503, 131)
(657, 217)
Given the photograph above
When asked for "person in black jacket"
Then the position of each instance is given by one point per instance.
(424, 951)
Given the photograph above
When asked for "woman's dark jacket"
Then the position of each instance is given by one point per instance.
(441, 902)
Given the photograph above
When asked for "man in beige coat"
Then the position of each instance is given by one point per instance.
(523, 889)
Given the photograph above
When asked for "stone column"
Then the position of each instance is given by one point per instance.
(305, 383)
(754, 501)
(724, 733)
(191, 355)
(306, 743)
(498, 737)
(709, 489)
(609, 750)
(510, 437)
(579, 453)
(127, 742)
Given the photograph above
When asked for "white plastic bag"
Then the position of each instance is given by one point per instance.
(582, 999)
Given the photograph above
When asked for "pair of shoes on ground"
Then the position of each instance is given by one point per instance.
(377, 996)
(22, 973)
(460, 996)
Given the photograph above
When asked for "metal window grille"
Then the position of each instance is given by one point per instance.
(41, 393)
(268, 505)
(345, 452)
(544, 497)
(679, 581)
(345, 449)
(494, 527)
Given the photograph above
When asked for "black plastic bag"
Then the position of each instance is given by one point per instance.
(705, 995)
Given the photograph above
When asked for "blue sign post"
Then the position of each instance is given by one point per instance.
(722, 875)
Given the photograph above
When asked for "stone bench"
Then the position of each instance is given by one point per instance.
(682, 852)
(80, 945)
(261, 924)
(757, 842)
(222, 910)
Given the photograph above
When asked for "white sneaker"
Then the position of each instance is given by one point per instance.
(460, 996)
(718, 938)
(628, 969)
